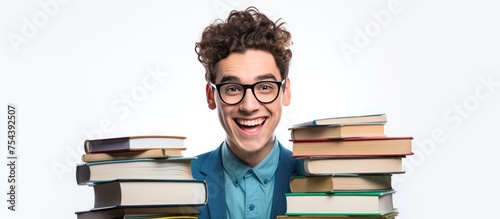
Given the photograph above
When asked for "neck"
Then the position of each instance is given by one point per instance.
(252, 158)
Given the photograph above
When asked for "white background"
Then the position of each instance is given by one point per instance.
(432, 66)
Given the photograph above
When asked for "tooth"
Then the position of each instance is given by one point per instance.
(251, 122)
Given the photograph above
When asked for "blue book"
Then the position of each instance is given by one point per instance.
(343, 120)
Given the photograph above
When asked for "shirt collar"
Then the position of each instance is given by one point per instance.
(236, 169)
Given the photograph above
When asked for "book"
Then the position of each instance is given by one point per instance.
(347, 182)
(151, 153)
(349, 165)
(358, 146)
(338, 131)
(368, 118)
(145, 168)
(138, 212)
(366, 203)
(169, 217)
(150, 193)
(391, 215)
(130, 143)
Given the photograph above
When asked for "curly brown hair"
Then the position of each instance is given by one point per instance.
(244, 30)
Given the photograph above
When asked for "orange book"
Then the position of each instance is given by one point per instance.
(358, 146)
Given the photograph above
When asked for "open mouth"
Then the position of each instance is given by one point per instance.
(250, 125)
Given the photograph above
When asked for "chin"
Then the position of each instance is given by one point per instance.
(253, 146)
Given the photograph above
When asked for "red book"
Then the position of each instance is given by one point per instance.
(359, 146)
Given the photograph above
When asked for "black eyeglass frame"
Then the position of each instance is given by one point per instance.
(245, 87)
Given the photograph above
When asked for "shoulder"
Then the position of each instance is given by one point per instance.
(197, 165)
(201, 158)
(287, 161)
(285, 153)
(206, 162)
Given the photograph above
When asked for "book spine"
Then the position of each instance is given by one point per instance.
(301, 169)
(82, 174)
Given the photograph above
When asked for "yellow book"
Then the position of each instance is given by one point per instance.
(176, 217)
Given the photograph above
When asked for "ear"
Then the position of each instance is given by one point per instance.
(287, 95)
(210, 97)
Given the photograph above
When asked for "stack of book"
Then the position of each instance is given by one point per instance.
(140, 177)
(345, 168)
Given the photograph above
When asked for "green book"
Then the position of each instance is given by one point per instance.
(349, 203)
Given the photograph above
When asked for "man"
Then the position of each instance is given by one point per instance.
(246, 59)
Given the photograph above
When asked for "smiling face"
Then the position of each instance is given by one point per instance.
(249, 125)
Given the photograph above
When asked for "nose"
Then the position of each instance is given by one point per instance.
(249, 103)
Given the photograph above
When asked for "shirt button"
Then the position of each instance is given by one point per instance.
(236, 182)
(265, 181)
(251, 207)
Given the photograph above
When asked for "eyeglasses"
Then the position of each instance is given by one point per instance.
(263, 91)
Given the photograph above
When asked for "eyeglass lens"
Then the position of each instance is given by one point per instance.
(263, 91)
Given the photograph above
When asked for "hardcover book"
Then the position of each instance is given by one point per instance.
(128, 155)
(368, 118)
(349, 165)
(338, 131)
(369, 203)
(138, 212)
(146, 168)
(340, 182)
(130, 193)
(130, 143)
(360, 146)
(391, 215)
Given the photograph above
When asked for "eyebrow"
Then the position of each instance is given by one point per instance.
(258, 78)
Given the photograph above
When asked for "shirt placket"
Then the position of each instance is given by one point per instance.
(252, 195)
